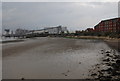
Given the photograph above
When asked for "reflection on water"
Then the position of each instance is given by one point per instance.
(52, 58)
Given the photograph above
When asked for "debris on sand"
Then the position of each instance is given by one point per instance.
(66, 73)
(108, 52)
(79, 62)
(22, 78)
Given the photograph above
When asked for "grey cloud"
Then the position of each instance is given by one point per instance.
(0, 10)
(61, 0)
(34, 15)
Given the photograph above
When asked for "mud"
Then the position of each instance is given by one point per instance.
(53, 58)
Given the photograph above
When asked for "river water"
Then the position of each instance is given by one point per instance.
(51, 58)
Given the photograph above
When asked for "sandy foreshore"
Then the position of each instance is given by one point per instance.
(63, 58)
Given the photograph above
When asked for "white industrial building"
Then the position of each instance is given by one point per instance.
(20, 32)
(52, 30)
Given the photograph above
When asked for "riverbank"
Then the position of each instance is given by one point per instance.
(112, 42)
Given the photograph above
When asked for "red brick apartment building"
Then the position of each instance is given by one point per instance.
(110, 25)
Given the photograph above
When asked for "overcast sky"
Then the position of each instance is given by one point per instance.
(60, 0)
(74, 15)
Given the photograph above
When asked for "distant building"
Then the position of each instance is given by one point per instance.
(89, 30)
(7, 32)
(55, 30)
(21, 32)
(37, 31)
(52, 30)
(110, 25)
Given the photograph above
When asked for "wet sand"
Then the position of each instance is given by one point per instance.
(114, 43)
(53, 45)
(51, 58)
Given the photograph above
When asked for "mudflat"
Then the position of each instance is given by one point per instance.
(52, 58)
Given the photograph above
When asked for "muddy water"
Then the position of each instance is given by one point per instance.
(51, 58)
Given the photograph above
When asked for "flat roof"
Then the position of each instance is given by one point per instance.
(110, 19)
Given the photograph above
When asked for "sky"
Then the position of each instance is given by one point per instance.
(73, 15)
(60, 0)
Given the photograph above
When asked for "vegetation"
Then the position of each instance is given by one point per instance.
(93, 33)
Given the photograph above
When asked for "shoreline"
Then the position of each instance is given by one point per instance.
(112, 42)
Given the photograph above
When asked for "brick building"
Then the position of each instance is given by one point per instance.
(110, 25)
